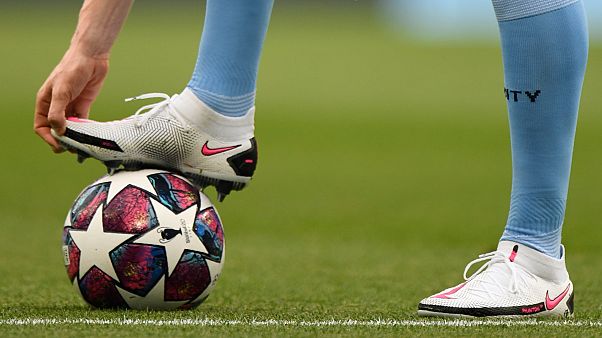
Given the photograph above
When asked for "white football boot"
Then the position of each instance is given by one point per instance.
(515, 281)
(214, 150)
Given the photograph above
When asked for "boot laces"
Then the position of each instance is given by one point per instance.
(490, 281)
(144, 113)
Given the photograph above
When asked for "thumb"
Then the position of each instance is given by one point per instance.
(56, 112)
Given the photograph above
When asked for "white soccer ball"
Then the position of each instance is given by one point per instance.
(143, 239)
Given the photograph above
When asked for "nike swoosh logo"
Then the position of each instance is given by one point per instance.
(552, 303)
(446, 295)
(214, 151)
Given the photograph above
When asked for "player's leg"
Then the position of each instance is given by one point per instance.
(226, 69)
(206, 132)
(544, 46)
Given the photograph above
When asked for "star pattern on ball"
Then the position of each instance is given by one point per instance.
(175, 233)
(117, 185)
(154, 299)
(95, 245)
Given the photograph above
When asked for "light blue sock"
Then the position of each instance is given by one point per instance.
(226, 69)
(544, 47)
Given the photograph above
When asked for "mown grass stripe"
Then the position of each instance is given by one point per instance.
(294, 323)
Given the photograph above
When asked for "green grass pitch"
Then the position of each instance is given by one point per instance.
(384, 168)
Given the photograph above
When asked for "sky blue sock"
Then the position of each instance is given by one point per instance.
(544, 47)
(226, 69)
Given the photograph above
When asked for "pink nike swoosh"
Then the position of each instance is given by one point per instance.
(445, 295)
(214, 151)
(552, 303)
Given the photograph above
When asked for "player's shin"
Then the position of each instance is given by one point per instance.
(544, 46)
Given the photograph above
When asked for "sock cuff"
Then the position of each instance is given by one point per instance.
(547, 242)
(202, 116)
(536, 261)
(506, 10)
(226, 105)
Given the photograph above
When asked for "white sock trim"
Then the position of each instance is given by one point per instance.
(219, 126)
(538, 263)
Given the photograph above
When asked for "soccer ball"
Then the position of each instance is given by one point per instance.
(143, 240)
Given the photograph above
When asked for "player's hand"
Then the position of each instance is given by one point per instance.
(69, 91)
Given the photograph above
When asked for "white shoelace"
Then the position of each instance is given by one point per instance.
(146, 112)
(495, 257)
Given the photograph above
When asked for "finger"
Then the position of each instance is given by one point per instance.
(56, 111)
(44, 133)
(40, 120)
(43, 101)
(80, 108)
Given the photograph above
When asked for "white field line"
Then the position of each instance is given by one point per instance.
(295, 323)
